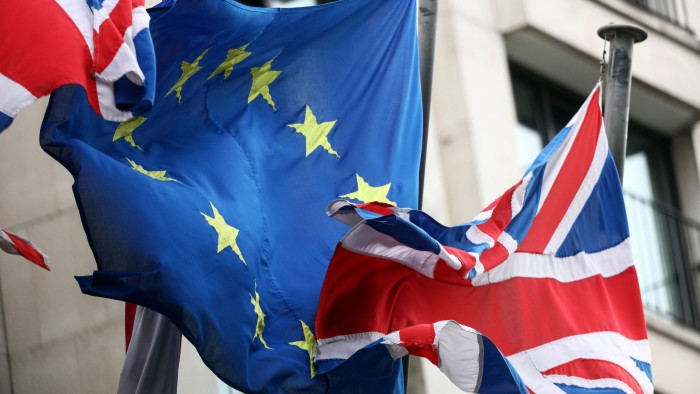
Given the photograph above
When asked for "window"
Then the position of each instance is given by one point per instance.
(674, 11)
(660, 236)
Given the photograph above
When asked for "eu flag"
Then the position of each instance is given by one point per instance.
(210, 208)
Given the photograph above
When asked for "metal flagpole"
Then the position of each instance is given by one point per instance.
(616, 86)
(427, 23)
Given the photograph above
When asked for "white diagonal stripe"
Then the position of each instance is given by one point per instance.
(607, 346)
(81, 15)
(103, 13)
(14, 96)
(582, 194)
(591, 383)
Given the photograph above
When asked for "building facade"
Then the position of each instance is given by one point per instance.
(508, 74)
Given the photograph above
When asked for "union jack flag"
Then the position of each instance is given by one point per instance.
(102, 45)
(538, 292)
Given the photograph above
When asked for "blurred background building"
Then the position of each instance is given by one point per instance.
(508, 75)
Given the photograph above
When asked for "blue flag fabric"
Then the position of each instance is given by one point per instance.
(210, 208)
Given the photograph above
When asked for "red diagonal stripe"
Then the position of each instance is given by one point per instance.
(494, 256)
(567, 183)
(110, 36)
(28, 251)
(501, 216)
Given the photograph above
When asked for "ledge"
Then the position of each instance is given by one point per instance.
(653, 22)
(682, 335)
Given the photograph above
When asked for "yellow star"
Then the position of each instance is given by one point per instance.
(233, 57)
(367, 193)
(307, 344)
(316, 134)
(126, 130)
(227, 234)
(263, 76)
(159, 175)
(188, 70)
(260, 325)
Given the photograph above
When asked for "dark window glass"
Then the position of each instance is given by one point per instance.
(543, 108)
(674, 11)
(657, 228)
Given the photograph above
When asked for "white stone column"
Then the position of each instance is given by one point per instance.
(473, 113)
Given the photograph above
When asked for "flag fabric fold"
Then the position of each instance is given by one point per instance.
(102, 45)
(545, 272)
(152, 356)
(14, 244)
(210, 208)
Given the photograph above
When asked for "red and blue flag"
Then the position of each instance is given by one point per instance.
(13, 244)
(538, 292)
(102, 45)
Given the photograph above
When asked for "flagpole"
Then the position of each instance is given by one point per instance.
(617, 86)
(427, 23)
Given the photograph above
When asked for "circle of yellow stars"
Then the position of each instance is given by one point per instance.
(316, 136)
